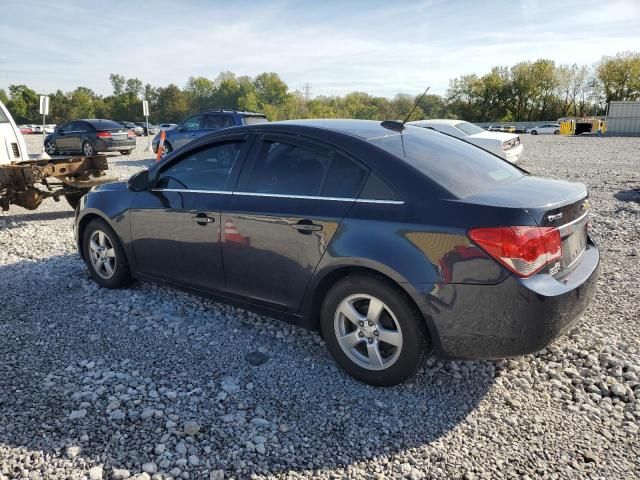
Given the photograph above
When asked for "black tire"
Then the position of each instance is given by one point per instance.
(167, 149)
(121, 276)
(87, 149)
(50, 147)
(414, 341)
(73, 198)
(534, 132)
(125, 152)
(556, 132)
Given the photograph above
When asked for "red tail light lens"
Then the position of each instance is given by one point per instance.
(523, 250)
(103, 135)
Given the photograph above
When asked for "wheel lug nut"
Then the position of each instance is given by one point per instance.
(361, 324)
(375, 332)
(370, 323)
(370, 340)
(360, 334)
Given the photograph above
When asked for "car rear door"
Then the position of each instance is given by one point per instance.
(290, 199)
(65, 138)
(175, 226)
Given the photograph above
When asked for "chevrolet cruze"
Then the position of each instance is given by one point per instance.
(395, 241)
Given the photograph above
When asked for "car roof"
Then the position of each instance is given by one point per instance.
(238, 112)
(365, 129)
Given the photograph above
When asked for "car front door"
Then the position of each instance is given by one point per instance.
(187, 131)
(288, 204)
(64, 137)
(175, 226)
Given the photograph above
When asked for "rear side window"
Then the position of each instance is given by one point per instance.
(190, 124)
(218, 121)
(377, 189)
(457, 166)
(206, 169)
(102, 125)
(285, 169)
(344, 178)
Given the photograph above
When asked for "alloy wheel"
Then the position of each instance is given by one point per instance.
(368, 332)
(87, 149)
(102, 254)
(50, 148)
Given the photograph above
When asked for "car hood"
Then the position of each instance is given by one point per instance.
(111, 187)
(502, 136)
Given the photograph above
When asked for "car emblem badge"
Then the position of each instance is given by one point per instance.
(553, 218)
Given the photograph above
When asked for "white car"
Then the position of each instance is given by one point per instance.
(505, 145)
(549, 128)
(12, 145)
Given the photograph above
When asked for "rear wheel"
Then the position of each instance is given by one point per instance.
(373, 330)
(87, 149)
(125, 152)
(166, 149)
(104, 256)
(556, 132)
(534, 132)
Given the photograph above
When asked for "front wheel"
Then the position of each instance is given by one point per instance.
(166, 149)
(50, 147)
(104, 256)
(534, 132)
(373, 330)
(88, 150)
(556, 132)
(125, 152)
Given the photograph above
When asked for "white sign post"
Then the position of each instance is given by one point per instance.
(145, 112)
(44, 111)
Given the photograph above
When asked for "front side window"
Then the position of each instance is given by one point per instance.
(190, 124)
(205, 169)
(254, 120)
(285, 169)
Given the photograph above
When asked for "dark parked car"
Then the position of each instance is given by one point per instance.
(89, 137)
(203, 123)
(395, 241)
(152, 128)
(132, 126)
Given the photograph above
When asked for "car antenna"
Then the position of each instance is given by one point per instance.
(399, 126)
(415, 106)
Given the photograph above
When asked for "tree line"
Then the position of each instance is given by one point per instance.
(526, 91)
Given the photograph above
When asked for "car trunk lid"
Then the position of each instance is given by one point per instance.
(551, 203)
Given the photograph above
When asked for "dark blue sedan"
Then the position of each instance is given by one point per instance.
(395, 241)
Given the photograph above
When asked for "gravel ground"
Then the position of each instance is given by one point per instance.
(154, 383)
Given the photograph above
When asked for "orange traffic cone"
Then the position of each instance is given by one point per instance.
(161, 145)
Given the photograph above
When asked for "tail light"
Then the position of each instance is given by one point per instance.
(103, 135)
(523, 250)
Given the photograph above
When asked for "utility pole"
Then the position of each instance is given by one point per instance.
(306, 88)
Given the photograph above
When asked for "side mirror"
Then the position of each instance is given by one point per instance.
(139, 182)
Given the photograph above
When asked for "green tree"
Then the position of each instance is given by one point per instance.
(4, 98)
(270, 89)
(24, 104)
(620, 76)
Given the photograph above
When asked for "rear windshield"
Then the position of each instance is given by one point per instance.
(3, 117)
(459, 167)
(255, 120)
(104, 124)
(468, 128)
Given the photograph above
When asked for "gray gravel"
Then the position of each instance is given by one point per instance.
(152, 383)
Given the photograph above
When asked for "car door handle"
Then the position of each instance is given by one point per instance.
(203, 219)
(306, 227)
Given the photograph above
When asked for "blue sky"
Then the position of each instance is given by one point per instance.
(380, 47)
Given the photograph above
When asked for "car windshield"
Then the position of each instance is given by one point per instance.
(255, 120)
(468, 128)
(459, 167)
(105, 124)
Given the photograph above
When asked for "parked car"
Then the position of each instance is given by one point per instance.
(549, 128)
(506, 145)
(495, 128)
(36, 129)
(395, 241)
(166, 126)
(132, 126)
(509, 128)
(49, 128)
(152, 128)
(25, 129)
(206, 122)
(90, 136)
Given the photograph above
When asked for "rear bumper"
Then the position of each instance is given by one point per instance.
(512, 318)
(115, 145)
